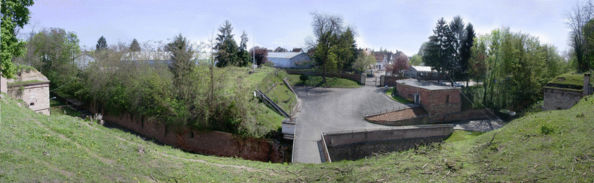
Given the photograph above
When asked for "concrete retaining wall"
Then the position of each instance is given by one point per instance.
(352, 145)
(474, 114)
(555, 99)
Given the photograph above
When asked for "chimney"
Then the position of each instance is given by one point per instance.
(587, 88)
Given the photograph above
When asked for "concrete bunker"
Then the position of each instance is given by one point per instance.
(357, 144)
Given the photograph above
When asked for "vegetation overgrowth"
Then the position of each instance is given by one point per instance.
(318, 81)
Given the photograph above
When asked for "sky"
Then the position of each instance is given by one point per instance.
(389, 24)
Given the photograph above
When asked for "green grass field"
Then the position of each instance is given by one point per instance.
(317, 81)
(550, 146)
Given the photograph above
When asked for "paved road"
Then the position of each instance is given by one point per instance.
(333, 109)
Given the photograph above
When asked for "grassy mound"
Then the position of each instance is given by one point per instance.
(60, 148)
(551, 146)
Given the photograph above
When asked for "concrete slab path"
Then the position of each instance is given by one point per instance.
(335, 109)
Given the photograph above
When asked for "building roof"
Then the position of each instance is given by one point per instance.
(283, 54)
(429, 85)
(28, 77)
(422, 68)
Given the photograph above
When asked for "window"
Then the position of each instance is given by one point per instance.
(447, 99)
(31, 104)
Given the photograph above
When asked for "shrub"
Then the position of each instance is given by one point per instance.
(303, 77)
(545, 129)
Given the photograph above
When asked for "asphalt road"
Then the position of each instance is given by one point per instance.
(335, 109)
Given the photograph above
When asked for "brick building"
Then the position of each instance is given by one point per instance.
(33, 88)
(435, 99)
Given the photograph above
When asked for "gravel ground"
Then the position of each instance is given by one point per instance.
(479, 125)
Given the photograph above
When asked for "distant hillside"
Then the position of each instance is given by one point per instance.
(551, 146)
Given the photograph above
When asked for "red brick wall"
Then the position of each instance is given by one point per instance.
(433, 101)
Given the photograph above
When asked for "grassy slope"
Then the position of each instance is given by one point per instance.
(77, 150)
(331, 82)
(520, 151)
(35, 147)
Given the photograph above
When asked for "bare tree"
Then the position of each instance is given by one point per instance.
(577, 20)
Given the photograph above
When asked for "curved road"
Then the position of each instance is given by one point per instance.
(335, 109)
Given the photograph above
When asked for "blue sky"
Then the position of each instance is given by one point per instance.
(394, 25)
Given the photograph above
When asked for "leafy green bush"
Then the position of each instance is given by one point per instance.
(303, 78)
(546, 129)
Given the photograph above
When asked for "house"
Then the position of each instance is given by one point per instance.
(32, 87)
(83, 60)
(434, 98)
(566, 90)
(290, 59)
(150, 57)
(381, 59)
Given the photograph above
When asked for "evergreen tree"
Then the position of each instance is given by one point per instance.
(14, 14)
(134, 46)
(243, 54)
(465, 52)
(347, 50)
(182, 66)
(226, 46)
(101, 44)
(438, 51)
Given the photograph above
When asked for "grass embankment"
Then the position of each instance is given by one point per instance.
(317, 81)
(270, 82)
(397, 98)
(551, 146)
(571, 79)
(60, 148)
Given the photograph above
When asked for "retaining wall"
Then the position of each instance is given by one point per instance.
(204, 142)
(556, 98)
(352, 145)
(474, 114)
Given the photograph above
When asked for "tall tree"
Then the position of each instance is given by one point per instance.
(465, 52)
(347, 49)
(182, 66)
(134, 46)
(243, 54)
(580, 16)
(226, 47)
(588, 47)
(334, 47)
(101, 44)
(437, 51)
(15, 14)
